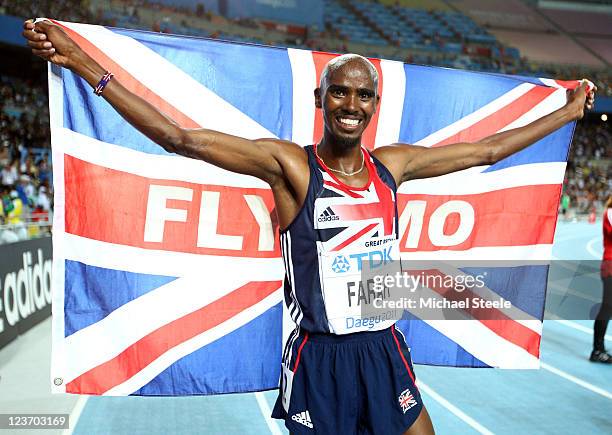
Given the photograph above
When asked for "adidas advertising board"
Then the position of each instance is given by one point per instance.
(25, 286)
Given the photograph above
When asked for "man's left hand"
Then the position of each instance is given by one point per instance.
(581, 98)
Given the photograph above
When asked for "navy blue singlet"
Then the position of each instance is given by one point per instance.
(337, 227)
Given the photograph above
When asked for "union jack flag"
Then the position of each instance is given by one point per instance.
(168, 272)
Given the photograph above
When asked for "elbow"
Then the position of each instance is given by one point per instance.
(174, 139)
(488, 153)
(491, 156)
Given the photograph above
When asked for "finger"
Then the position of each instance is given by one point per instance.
(40, 45)
(32, 36)
(28, 25)
(43, 53)
(42, 26)
(27, 35)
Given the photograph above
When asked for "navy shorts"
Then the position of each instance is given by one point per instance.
(360, 383)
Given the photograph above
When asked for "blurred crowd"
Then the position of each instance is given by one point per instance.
(66, 10)
(588, 178)
(25, 166)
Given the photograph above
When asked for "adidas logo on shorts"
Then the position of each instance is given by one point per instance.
(328, 215)
(303, 418)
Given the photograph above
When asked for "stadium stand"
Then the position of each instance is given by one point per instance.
(428, 5)
(580, 22)
(509, 14)
(350, 23)
(602, 46)
(550, 39)
(549, 48)
(590, 29)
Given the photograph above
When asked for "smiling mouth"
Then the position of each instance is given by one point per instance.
(349, 123)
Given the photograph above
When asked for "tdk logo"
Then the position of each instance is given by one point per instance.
(340, 264)
(328, 215)
(372, 260)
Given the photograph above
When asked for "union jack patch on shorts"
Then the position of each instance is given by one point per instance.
(406, 400)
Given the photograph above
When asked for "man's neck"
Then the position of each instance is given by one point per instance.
(335, 149)
(340, 156)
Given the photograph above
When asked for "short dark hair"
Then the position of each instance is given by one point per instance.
(337, 62)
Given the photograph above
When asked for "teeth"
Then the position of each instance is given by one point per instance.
(349, 121)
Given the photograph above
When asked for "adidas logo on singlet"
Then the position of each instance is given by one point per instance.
(303, 418)
(328, 215)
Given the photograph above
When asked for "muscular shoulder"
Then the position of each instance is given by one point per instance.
(291, 157)
(394, 151)
(293, 160)
(284, 150)
(395, 157)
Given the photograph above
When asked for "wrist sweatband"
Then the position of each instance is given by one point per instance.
(102, 83)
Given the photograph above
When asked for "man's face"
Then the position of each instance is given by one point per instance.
(348, 101)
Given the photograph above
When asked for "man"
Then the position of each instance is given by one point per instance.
(334, 380)
(6, 209)
(599, 353)
(565, 203)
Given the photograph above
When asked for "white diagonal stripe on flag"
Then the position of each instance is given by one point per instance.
(485, 345)
(489, 347)
(161, 167)
(167, 263)
(156, 73)
(551, 103)
(474, 180)
(476, 337)
(476, 116)
(531, 254)
(185, 348)
(486, 293)
(105, 339)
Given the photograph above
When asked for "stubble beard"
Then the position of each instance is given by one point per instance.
(348, 142)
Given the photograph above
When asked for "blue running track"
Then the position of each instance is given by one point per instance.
(568, 395)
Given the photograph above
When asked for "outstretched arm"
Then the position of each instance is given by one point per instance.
(408, 162)
(260, 158)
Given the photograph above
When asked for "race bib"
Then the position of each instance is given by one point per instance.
(352, 281)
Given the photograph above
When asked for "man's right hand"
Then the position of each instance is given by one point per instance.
(50, 42)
